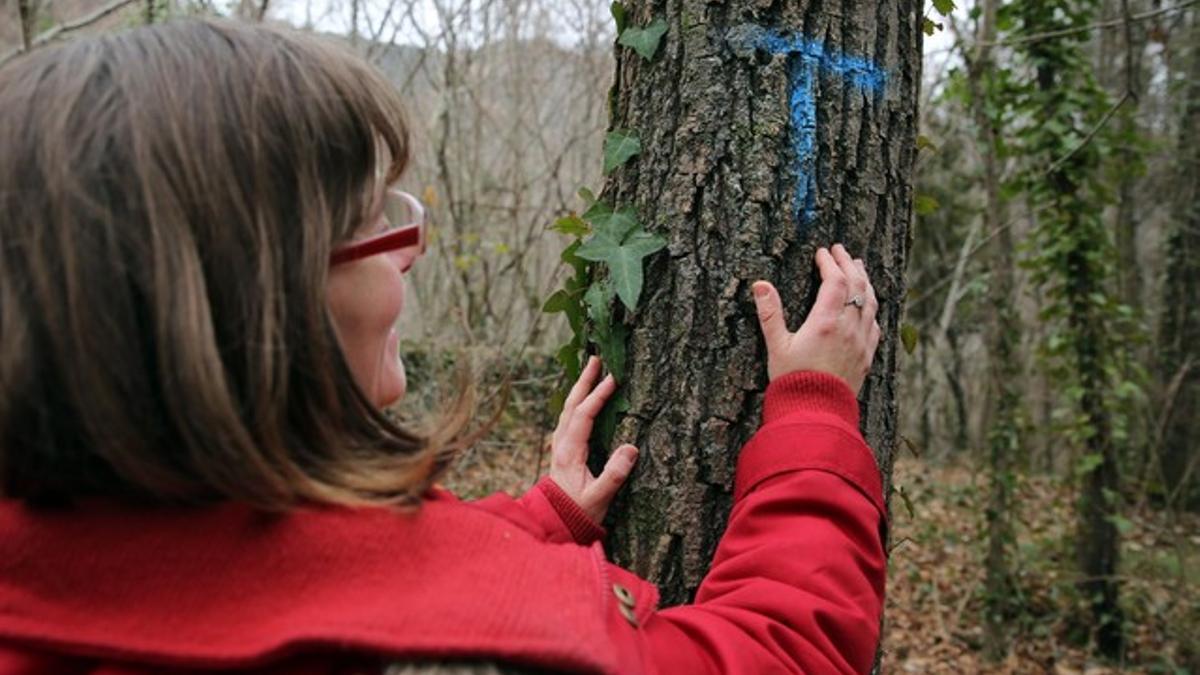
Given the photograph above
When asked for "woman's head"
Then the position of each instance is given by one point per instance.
(366, 292)
(169, 325)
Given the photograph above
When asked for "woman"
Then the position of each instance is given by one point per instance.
(201, 261)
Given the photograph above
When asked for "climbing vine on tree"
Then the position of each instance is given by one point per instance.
(1064, 140)
(606, 259)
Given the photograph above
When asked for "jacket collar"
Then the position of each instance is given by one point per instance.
(227, 586)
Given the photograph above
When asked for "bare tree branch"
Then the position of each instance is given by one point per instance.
(69, 26)
(1075, 30)
(1091, 134)
(937, 286)
(1168, 409)
(1048, 35)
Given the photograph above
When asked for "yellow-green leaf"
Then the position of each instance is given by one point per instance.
(909, 336)
(572, 226)
(925, 205)
(944, 7)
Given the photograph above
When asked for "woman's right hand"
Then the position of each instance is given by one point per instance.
(837, 337)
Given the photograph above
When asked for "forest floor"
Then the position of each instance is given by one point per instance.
(935, 585)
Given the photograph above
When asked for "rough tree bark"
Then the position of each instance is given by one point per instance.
(768, 128)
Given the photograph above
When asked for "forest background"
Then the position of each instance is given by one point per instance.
(1051, 340)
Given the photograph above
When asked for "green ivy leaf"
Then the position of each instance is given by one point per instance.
(587, 196)
(1123, 524)
(908, 336)
(624, 259)
(566, 301)
(618, 15)
(570, 257)
(1004, 21)
(598, 300)
(1088, 463)
(644, 41)
(618, 148)
(944, 7)
(930, 27)
(615, 224)
(557, 302)
(923, 142)
(621, 404)
(925, 205)
(572, 225)
(606, 422)
(568, 357)
(612, 350)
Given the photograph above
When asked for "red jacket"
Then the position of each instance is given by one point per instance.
(796, 584)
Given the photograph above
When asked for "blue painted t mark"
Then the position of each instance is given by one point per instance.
(807, 60)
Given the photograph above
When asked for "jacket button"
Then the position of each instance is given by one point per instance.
(624, 595)
(627, 612)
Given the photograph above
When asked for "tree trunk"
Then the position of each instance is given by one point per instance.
(952, 367)
(767, 129)
(1129, 172)
(1004, 336)
(1180, 331)
(27, 11)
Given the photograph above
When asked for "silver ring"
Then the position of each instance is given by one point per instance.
(857, 301)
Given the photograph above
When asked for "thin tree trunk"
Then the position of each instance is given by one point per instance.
(1129, 175)
(952, 367)
(926, 389)
(760, 142)
(1180, 331)
(27, 14)
(945, 343)
(1003, 437)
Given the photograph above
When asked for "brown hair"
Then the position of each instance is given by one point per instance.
(169, 197)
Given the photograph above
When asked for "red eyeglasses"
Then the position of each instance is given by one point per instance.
(407, 223)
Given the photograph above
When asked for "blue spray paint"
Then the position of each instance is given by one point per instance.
(807, 60)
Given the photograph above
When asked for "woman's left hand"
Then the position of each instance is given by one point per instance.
(569, 447)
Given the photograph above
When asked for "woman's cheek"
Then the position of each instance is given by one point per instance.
(392, 383)
(365, 300)
(392, 378)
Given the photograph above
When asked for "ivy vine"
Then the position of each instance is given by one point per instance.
(606, 257)
(943, 7)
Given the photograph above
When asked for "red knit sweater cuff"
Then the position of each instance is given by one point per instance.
(810, 391)
(582, 528)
